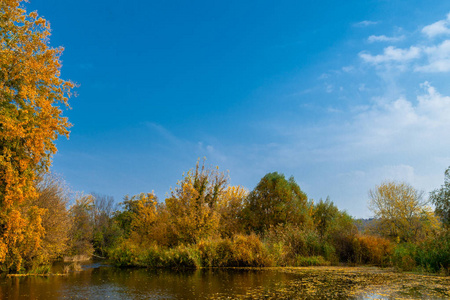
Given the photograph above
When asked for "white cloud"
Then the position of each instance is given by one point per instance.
(397, 128)
(365, 23)
(438, 58)
(392, 54)
(383, 38)
(431, 58)
(438, 28)
(348, 69)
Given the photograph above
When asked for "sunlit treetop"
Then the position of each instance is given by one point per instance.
(31, 96)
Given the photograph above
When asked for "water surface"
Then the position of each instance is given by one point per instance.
(98, 281)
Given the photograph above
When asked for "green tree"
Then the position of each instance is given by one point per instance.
(324, 216)
(82, 230)
(441, 200)
(275, 201)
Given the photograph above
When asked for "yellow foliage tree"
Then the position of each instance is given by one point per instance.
(192, 206)
(144, 220)
(31, 96)
(401, 212)
(54, 199)
(229, 207)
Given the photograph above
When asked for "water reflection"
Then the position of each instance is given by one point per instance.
(108, 282)
(98, 281)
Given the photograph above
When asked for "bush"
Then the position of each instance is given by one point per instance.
(434, 255)
(373, 250)
(129, 255)
(286, 243)
(404, 257)
(215, 253)
(302, 261)
(249, 251)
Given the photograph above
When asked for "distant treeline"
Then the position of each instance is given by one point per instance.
(205, 222)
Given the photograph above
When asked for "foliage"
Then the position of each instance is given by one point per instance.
(335, 228)
(341, 236)
(324, 216)
(191, 207)
(373, 250)
(130, 255)
(404, 256)
(132, 207)
(54, 198)
(82, 229)
(249, 251)
(106, 231)
(230, 208)
(288, 242)
(433, 255)
(275, 201)
(441, 200)
(239, 251)
(402, 214)
(309, 261)
(30, 120)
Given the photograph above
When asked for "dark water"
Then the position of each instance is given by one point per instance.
(103, 282)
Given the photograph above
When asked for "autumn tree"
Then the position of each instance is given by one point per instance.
(54, 199)
(441, 200)
(143, 213)
(402, 213)
(192, 205)
(230, 209)
(274, 201)
(31, 96)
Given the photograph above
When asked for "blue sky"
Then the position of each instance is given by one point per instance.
(340, 94)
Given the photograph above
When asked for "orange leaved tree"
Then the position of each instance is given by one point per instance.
(31, 97)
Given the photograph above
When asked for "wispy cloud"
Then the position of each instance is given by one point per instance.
(441, 27)
(392, 54)
(383, 38)
(426, 57)
(438, 58)
(365, 23)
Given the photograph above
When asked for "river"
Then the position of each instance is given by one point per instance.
(99, 281)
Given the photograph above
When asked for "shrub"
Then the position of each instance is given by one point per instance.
(215, 253)
(373, 250)
(302, 261)
(124, 255)
(249, 251)
(288, 242)
(404, 256)
(434, 255)
(129, 255)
